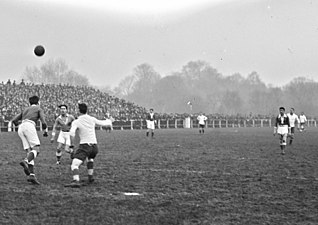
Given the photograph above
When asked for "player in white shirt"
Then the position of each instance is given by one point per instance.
(201, 118)
(85, 126)
(110, 120)
(293, 119)
(303, 120)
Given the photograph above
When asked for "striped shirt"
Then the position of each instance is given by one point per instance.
(282, 121)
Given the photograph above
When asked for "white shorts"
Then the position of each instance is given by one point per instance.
(282, 130)
(27, 133)
(64, 138)
(150, 124)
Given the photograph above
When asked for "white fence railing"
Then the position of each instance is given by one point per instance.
(7, 126)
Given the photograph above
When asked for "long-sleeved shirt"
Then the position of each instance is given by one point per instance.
(293, 118)
(302, 118)
(85, 124)
(202, 119)
(64, 122)
(33, 113)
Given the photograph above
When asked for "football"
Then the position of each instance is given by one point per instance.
(39, 50)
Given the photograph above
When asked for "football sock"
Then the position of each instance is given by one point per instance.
(31, 168)
(147, 133)
(31, 155)
(76, 175)
(152, 134)
(58, 155)
(90, 168)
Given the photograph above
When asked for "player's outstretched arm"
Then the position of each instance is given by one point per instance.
(101, 122)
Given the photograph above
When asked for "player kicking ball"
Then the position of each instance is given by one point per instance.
(282, 127)
(87, 150)
(63, 121)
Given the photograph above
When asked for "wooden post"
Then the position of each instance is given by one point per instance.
(261, 122)
(131, 124)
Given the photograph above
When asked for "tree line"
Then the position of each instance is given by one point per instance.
(196, 87)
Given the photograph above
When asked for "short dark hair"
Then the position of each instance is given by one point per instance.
(292, 108)
(282, 108)
(82, 108)
(63, 105)
(34, 100)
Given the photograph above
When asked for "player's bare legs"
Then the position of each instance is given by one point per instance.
(59, 153)
(28, 164)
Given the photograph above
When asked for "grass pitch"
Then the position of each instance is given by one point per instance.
(226, 176)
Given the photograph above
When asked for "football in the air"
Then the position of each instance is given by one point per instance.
(39, 50)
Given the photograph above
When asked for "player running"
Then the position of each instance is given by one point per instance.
(282, 127)
(293, 118)
(303, 120)
(201, 118)
(63, 121)
(85, 125)
(29, 137)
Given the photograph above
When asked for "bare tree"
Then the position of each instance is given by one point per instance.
(54, 71)
(125, 87)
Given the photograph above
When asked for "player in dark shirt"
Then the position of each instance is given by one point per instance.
(29, 137)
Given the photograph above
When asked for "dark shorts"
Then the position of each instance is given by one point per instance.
(292, 130)
(201, 126)
(86, 151)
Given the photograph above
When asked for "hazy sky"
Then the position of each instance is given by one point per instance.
(105, 40)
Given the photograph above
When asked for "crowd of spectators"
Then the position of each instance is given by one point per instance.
(14, 98)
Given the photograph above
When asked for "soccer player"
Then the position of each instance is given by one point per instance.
(303, 120)
(151, 120)
(63, 121)
(201, 118)
(293, 118)
(85, 125)
(110, 121)
(29, 137)
(282, 127)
